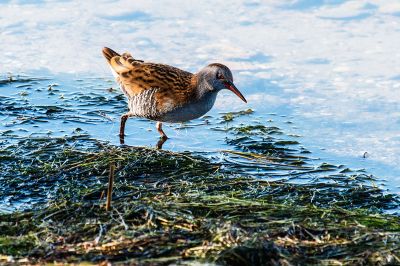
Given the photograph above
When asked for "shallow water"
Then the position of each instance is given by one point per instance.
(54, 109)
(324, 70)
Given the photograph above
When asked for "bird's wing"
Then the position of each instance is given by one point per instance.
(135, 76)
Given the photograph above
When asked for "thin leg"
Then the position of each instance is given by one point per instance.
(124, 117)
(159, 129)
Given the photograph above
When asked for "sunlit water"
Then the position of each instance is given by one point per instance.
(327, 71)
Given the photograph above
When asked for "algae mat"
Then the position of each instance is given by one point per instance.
(180, 207)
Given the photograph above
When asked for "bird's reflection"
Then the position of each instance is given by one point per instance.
(159, 144)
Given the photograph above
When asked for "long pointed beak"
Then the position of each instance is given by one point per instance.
(230, 86)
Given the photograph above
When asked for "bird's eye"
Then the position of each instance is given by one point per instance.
(220, 76)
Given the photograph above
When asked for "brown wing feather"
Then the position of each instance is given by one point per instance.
(135, 76)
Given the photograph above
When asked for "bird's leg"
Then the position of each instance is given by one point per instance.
(159, 129)
(124, 117)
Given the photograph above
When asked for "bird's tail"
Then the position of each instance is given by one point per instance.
(109, 53)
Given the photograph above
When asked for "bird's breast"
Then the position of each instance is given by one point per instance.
(146, 105)
(188, 111)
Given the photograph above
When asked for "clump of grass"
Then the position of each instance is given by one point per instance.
(174, 207)
(227, 117)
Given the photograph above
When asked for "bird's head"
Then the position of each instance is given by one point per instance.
(216, 77)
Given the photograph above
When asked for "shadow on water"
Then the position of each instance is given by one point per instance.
(260, 197)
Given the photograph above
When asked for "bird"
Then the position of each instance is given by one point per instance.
(164, 93)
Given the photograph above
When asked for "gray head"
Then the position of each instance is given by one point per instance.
(216, 77)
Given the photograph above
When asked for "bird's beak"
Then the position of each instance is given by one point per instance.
(230, 86)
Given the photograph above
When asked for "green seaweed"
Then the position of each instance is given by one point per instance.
(176, 207)
(227, 117)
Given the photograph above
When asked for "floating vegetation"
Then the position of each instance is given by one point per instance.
(175, 207)
(10, 78)
(263, 201)
(231, 115)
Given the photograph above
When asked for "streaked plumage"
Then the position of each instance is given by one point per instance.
(164, 93)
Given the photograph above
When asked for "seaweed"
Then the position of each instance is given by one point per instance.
(179, 207)
(227, 117)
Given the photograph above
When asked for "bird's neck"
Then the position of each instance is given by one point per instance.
(202, 85)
